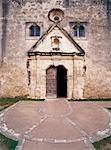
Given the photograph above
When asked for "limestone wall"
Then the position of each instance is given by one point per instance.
(13, 73)
(0, 30)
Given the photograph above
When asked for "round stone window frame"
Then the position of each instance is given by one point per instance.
(56, 15)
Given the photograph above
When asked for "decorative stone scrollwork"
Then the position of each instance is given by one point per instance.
(56, 15)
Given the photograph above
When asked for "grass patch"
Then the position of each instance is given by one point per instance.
(11, 100)
(6, 102)
(36, 99)
(16, 99)
(102, 143)
(7, 143)
(91, 99)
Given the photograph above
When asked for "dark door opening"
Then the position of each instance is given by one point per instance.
(61, 81)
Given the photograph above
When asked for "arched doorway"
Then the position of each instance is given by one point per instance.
(61, 81)
(56, 82)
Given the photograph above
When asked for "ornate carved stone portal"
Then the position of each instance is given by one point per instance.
(56, 63)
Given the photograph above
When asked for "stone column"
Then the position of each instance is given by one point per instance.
(32, 86)
(73, 79)
(78, 77)
(37, 78)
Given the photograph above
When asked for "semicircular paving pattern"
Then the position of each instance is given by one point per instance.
(55, 125)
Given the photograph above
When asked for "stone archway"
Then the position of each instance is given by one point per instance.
(56, 82)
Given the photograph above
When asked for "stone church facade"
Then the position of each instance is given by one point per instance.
(54, 49)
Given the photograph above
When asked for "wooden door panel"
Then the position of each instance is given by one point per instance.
(51, 84)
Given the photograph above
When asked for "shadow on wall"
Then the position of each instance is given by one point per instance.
(5, 11)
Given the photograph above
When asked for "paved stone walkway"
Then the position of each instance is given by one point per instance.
(56, 124)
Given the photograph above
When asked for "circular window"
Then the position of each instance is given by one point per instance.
(56, 15)
(56, 18)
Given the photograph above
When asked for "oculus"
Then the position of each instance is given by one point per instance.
(56, 15)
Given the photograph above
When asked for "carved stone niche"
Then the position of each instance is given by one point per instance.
(55, 42)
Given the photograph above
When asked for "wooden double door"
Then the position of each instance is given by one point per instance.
(56, 82)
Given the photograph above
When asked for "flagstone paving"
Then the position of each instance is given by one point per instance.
(56, 124)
